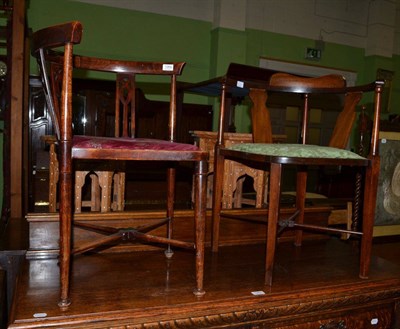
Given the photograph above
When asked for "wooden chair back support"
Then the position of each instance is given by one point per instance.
(125, 101)
(273, 157)
(260, 116)
(57, 71)
(125, 107)
(346, 118)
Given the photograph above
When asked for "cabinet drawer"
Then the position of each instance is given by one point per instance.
(377, 317)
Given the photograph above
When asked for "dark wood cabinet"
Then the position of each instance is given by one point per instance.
(40, 124)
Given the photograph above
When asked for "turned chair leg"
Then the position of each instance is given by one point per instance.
(200, 185)
(65, 223)
(171, 172)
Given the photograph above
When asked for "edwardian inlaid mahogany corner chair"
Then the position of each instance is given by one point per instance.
(53, 47)
(302, 157)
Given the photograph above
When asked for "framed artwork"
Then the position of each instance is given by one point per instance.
(388, 198)
(386, 76)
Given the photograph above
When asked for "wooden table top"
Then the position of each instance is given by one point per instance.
(138, 288)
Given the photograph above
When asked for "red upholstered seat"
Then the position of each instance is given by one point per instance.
(93, 142)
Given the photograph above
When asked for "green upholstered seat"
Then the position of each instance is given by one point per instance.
(296, 150)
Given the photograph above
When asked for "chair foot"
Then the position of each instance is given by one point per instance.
(63, 303)
(198, 292)
(364, 277)
(168, 253)
(268, 279)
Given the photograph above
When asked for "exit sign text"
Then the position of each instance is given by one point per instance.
(313, 53)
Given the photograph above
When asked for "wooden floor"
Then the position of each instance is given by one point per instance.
(144, 290)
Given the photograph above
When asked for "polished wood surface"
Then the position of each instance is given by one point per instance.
(315, 285)
(44, 227)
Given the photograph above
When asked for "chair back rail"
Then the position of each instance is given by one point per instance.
(331, 84)
(65, 35)
(53, 63)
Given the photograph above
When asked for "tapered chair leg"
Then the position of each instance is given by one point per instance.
(200, 184)
(170, 207)
(371, 186)
(273, 217)
(65, 222)
(301, 190)
(217, 199)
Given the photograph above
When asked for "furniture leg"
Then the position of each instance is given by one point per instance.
(79, 182)
(259, 184)
(210, 179)
(199, 217)
(229, 184)
(95, 193)
(105, 182)
(170, 207)
(53, 178)
(65, 227)
(217, 198)
(237, 192)
(371, 186)
(273, 217)
(301, 187)
(119, 192)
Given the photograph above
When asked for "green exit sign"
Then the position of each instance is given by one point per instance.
(313, 54)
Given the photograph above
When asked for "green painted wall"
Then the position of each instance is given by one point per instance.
(1, 164)
(124, 34)
(127, 34)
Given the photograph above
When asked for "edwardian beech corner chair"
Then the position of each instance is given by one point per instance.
(57, 69)
(273, 157)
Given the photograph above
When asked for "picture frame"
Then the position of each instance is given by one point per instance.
(387, 216)
(387, 76)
